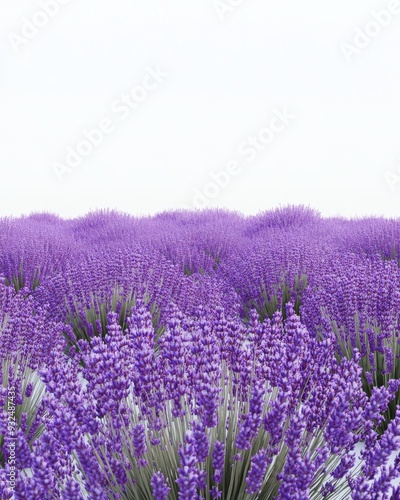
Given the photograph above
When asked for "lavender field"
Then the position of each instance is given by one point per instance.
(200, 355)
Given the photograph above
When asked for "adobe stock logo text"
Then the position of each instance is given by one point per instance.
(31, 27)
(249, 149)
(122, 107)
(363, 37)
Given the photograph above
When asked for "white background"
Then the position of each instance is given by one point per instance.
(226, 75)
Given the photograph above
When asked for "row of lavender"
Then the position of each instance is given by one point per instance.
(199, 355)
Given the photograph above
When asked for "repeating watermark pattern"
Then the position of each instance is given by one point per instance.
(373, 28)
(11, 438)
(122, 107)
(225, 7)
(249, 149)
(393, 178)
(30, 28)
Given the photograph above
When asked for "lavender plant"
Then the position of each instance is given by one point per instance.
(277, 298)
(361, 306)
(184, 399)
(244, 423)
(87, 323)
(21, 410)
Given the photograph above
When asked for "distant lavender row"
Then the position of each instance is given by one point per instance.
(245, 253)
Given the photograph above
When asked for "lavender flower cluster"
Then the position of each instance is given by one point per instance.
(138, 363)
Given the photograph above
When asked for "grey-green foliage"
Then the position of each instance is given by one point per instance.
(95, 316)
(29, 406)
(379, 366)
(393, 255)
(164, 457)
(18, 281)
(277, 299)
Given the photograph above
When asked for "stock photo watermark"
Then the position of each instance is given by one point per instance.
(11, 438)
(393, 178)
(363, 36)
(31, 27)
(250, 148)
(122, 107)
(226, 7)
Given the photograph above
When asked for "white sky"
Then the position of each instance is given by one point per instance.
(226, 80)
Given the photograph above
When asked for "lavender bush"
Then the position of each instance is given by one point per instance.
(358, 299)
(199, 355)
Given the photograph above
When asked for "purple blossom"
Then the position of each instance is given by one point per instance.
(218, 460)
(255, 476)
(29, 390)
(139, 440)
(145, 365)
(188, 474)
(251, 421)
(379, 454)
(160, 487)
(201, 441)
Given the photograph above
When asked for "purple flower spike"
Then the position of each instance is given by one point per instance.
(29, 390)
(255, 476)
(160, 488)
(218, 460)
(188, 474)
(139, 443)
